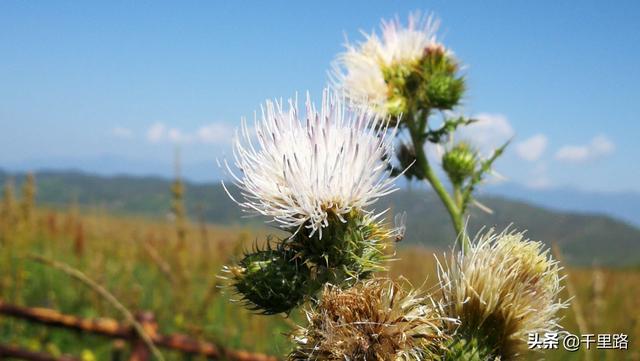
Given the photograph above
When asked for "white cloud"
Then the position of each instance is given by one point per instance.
(531, 149)
(156, 132)
(573, 153)
(488, 133)
(175, 135)
(598, 147)
(601, 145)
(122, 133)
(213, 133)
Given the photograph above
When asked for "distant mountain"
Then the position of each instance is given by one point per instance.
(124, 194)
(585, 239)
(111, 165)
(622, 205)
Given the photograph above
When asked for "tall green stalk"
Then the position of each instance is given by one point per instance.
(417, 125)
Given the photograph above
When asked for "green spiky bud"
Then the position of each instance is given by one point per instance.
(396, 77)
(395, 106)
(442, 88)
(349, 249)
(460, 162)
(443, 91)
(430, 82)
(271, 281)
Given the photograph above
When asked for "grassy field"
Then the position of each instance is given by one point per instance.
(142, 262)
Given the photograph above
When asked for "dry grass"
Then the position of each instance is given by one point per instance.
(142, 263)
(610, 298)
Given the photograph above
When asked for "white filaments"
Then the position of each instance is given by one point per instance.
(359, 69)
(299, 170)
(507, 280)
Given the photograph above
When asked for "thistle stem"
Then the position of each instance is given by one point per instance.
(423, 164)
(457, 196)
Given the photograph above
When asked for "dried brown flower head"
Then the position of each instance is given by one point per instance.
(374, 320)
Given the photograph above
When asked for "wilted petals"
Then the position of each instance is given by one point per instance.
(374, 320)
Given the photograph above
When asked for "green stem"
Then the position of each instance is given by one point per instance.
(461, 203)
(423, 163)
(458, 198)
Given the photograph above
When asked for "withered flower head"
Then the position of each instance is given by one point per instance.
(375, 320)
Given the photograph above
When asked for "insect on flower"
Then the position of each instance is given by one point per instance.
(400, 222)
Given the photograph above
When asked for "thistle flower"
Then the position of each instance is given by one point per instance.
(387, 72)
(302, 169)
(374, 320)
(503, 288)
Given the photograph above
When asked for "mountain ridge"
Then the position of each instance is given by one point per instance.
(584, 238)
(624, 205)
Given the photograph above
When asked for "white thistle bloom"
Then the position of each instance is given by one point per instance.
(359, 70)
(502, 289)
(298, 169)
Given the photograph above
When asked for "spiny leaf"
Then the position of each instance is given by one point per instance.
(477, 177)
(449, 126)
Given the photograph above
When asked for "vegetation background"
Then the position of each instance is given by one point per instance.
(122, 233)
(112, 87)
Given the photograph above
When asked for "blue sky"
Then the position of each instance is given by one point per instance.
(113, 86)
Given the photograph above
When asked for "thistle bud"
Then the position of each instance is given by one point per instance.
(270, 281)
(443, 91)
(459, 162)
(397, 77)
(442, 87)
(395, 106)
(352, 247)
(435, 50)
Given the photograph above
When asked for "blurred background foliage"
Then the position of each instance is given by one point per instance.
(120, 232)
